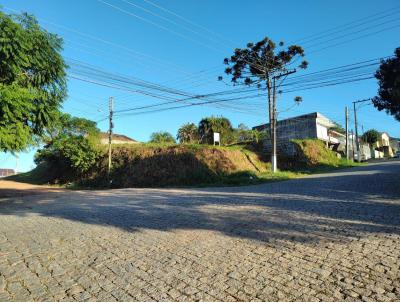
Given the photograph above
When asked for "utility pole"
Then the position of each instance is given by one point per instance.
(356, 126)
(352, 142)
(347, 132)
(273, 120)
(111, 126)
(274, 164)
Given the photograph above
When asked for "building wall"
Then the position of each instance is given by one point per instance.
(295, 128)
(322, 132)
(308, 126)
(6, 172)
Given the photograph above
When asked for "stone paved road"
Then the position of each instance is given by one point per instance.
(324, 238)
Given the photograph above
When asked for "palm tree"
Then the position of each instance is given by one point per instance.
(188, 133)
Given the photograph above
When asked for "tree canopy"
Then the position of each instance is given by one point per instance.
(71, 147)
(32, 81)
(371, 136)
(65, 124)
(259, 62)
(209, 125)
(388, 76)
(162, 137)
(188, 133)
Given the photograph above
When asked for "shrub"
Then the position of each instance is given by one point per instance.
(162, 137)
(68, 157)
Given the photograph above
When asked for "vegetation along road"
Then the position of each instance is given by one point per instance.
(328, 237)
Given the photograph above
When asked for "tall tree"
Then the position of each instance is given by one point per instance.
(370, 137)
(188, 133)
(209, 125)
(263, 64)
(32, 81)
(65, 124)
(388, 76)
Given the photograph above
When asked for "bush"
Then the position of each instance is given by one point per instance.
(68, 157)
(313, 152)
(162, 137)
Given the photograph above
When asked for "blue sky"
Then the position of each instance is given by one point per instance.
(184, 50)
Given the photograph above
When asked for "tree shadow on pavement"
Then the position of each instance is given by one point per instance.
(334, 206)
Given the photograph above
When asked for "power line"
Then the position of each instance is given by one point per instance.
(171, 21)
(351, 25)
(157, 25)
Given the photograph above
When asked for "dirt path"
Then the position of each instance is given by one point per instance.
(10, 188)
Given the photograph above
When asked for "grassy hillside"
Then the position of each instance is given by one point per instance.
(154, 165)
(181, 165)
(313, 156)
(40, 175)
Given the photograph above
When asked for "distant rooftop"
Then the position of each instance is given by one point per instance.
(119, 137)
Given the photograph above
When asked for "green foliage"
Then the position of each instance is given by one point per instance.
(209, 125)
(370, 137)
(388, 76)
(72, 149)
(313, 152)
(242, 135)
(259, 64)
(67, 125)
(32, 81)
(162, 137)
(188, 133)
(73, 154)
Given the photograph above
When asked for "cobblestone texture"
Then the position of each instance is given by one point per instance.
(328, 238)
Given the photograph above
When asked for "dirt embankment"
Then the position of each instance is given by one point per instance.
(180, 165)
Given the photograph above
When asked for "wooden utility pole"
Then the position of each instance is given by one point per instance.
(273, 120)
(347, 132)
(356, 127)
(111, 126)
(274, 163)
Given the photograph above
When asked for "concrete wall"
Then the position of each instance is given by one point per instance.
(308, 126)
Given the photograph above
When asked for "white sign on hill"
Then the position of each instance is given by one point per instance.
(217, 139)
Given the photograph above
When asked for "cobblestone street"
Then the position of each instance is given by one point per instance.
(331, 237)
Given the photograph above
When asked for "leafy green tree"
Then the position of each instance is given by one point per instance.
(162, 137)
(370, 137)
(388, 76)
(32, 81)
(65, 124)
(188, 133)
(72, 148)
(222, 125)
(73, 155)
